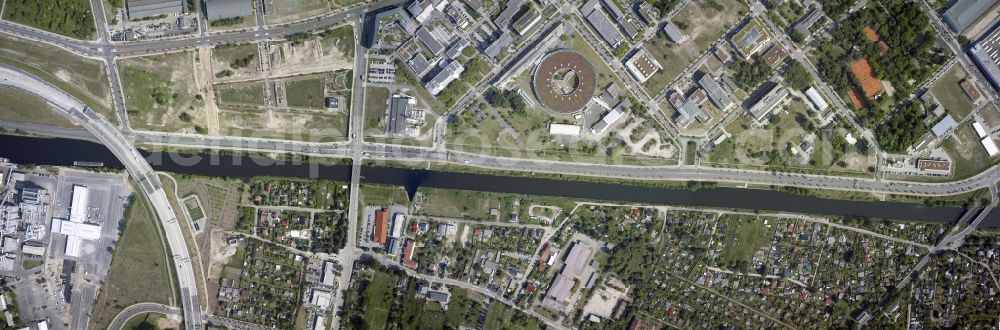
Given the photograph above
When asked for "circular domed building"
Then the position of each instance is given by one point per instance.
(564, 81)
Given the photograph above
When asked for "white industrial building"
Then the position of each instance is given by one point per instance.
(564, 129)
(321, 298)
(816, 99)
(76, 229)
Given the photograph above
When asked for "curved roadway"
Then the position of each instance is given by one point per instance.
(119, 322)
(137, 167)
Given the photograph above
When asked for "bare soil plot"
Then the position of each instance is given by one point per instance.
(325, 52)
(22, 107)
(283, 11)
(83, 78)
(314, 126)
(951, 95)
(704, 22)
(160, 94)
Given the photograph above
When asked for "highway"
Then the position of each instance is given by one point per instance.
(119, 321)
(136, 166)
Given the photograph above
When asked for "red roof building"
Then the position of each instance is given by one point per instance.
(381, 233)
(408, 255)
(640, 324)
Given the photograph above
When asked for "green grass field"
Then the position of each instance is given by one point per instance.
(85, 79)
(140, 270)
(71, 18)
(241, 93)
(375, 98)
(22, 107)
(379, 296)
(341, 38)
(292, 10)
(306, 91)
(950, 94)
(744, 235)
(501, 316)
(158, 90)
(225, 55)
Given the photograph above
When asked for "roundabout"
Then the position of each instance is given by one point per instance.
(564, 81)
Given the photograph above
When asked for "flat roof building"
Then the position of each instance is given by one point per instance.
(420, 65)
(420, 10)
(979, 129)
(611, 117)
(221, 9)
(564, 129)
(767, 103)
(402, 117)
(428, 39)
(76, 233)
(507, 15)
(329, 276)
(805, 25)
(494, 49)
(674, 33)
(715, 92)
(527, 21)
(944, 125)
(449, 72)
(986, 54)
(605, 28)
(933, 165)
(775, 55)
(321, 298)
(149, 8)
(749, 39)
(78, 205)
(970, 90)
(816, 99)
(989, 145)
(964, 12)
(642, 65)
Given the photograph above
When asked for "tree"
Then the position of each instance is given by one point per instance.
(797, 77)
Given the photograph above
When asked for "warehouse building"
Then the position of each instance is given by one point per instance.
(816, 99)
(674, 33)
(965, 12)
(149, 8)
(600, 21)
(222, 9)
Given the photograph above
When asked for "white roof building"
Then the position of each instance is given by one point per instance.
(564, 129)
(329, 276)
(78, 206)
(76, 233)
(319, 322)
(979, 129)
(990, 146)
(397, 225)
(816, 99)
(321, 298)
